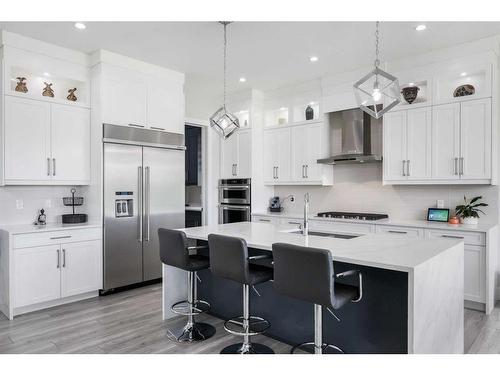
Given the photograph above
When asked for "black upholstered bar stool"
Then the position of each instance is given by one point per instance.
(229, 259)
(174, 251)
(307, 274)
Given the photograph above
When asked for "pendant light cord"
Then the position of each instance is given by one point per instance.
(225, 23)
(377, 61)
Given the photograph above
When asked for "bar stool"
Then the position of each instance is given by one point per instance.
(307, 274)
(174, 251)
(229, 259)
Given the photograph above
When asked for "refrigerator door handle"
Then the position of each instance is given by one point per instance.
(147, 200)
(139, 201)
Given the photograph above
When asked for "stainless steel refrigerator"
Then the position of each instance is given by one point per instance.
(143, 191)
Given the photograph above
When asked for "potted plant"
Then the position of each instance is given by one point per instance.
(469, 212)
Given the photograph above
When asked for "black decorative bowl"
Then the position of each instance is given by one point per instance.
(464, 90)
(74, 218)
(410, 93)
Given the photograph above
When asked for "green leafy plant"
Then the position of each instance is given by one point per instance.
(470, 209)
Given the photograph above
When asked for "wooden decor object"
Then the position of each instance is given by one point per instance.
(47, 91)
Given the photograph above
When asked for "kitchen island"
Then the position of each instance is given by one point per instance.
(413, 291)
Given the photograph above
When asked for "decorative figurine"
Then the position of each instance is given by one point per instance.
(464, 90)
(72, 97)
(21, 85)
(47, 91)
(410, 93)
(42, 218)
(309, 113)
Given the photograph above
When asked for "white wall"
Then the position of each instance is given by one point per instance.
(359, 188)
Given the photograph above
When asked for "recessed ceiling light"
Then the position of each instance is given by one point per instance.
(46, 74)
(420, 27)
(282, 109)
(463, 74)
(411, 84)
(243, 79)
(313, 58)
(80, 25)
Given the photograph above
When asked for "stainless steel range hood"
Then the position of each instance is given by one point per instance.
(354, 128)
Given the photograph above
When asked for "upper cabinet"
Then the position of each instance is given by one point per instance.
(236, 155)
(137, 99)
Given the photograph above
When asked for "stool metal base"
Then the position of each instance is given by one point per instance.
(309, 347)
(185, 308)
(251, 348)
(191, 332)
(256, 326)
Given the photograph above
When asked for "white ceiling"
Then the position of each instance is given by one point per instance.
(268, 54)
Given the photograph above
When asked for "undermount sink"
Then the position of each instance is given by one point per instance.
(326, 234)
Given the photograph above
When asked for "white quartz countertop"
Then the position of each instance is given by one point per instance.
(49, 227)
(483, 226)
(374, 250)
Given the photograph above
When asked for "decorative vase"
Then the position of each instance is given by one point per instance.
(410, 93)
(309, 113)
(469, 220)
(47, 90)
(464, 90)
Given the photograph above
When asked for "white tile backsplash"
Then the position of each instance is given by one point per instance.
(33, 199)
(359, 188)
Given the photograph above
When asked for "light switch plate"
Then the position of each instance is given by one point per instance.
(440, 203)
(19, 204)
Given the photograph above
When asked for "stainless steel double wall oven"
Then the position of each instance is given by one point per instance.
(234, 200)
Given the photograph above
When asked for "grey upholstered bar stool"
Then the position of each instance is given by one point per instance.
(307, 274)
(229, 259)
(174, 251)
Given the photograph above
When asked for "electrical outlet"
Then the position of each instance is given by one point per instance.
(48, 203)
(19, 204)
(440, 203)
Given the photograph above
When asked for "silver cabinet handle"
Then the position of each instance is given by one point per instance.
(265, 220)
(137, 126)
(397, 231)
(461, 166)
(157, 128)
(58, 258)
(408, 168)
(404, 168)
(148, 201)
(236, 169)
(64, 257)
(274, 173)
(60, 237)
(303, 171)
(277, 173)
(307, 171)
(139, 201)
(455, 167)
(450, 236)
(294, 223)
(48, 166)
(53, 166)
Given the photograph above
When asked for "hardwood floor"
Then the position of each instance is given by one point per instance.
(130, 322)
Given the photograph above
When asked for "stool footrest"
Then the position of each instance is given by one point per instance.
(256, 326)
(308, 347)
(185, 308)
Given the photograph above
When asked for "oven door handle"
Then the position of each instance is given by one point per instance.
(226, 187)
(236, 208)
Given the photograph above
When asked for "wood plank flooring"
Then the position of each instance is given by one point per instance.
(130, 322)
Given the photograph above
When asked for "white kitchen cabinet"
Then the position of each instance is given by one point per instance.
(124, 101)
(475, 139)
(407, 145)
(474, 273)
(276, 155)
(80, 267)
(236, 155)
(165, 107)
(70, 144)
(400, 231)
(37, 276)
(46, 143)
(305, 151)
(445, 141)
(26, 140)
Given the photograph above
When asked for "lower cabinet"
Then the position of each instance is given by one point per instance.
(46, 273)
(475, 273)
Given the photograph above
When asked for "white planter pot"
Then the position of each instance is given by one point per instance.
(469, 220)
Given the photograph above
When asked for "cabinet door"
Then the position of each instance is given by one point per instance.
(27, 140)
(37, 276)
(445, 141)
(70, 135)
(475, 139)
(244, 154)
(165, 107)
(80, 267)
(270, 152)
(394, 146)
(474, 273)
(314, 152)
(229, 156)
(418, 140)
(124, 102)
(283, 155)
(300, 147)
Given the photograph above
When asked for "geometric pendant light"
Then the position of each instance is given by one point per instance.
(223, 122)
(378, 91)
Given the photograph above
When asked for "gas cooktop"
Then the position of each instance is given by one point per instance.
(353, 215)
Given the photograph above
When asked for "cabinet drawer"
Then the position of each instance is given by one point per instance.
(60, 236)
(402, 231)
(469, 238)
(341, 227)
